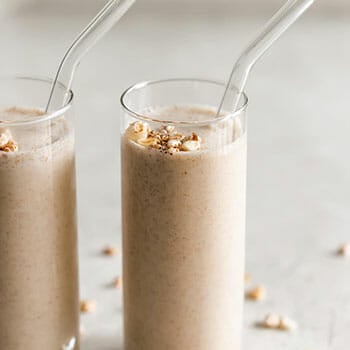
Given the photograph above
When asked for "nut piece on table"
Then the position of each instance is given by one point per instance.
(287, 324)
(257, 293)
(274, 321)
(344, 250)
(110, 251)
(117, 282)
(87, 306)
(271, 321)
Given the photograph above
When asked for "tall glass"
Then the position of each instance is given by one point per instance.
(38, 228)
(183, 212)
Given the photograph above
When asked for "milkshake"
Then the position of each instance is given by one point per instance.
(183, 195)
(38, 233)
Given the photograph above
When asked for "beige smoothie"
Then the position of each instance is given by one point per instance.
(184, 193)
(38, 235)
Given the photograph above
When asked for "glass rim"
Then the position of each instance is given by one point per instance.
(47, 116)
(144, 84)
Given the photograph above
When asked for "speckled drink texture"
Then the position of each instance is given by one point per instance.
(183, 246)
(38, 245)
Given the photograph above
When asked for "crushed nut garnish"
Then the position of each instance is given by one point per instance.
(258, 293)
(190, 145)
(173, 143)
(5, 137)
(87, 306)
(274, 321)
(166, 138)
(110, 251)
(117, 282)
(344, 249)
(137, 131)
(7, 144)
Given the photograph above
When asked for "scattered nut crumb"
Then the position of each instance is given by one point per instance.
(247, 278)
(287, 324)
(110, 251)
(282, 323)
(344, 249)
(257, 293)
(117, 282)
(271, 321)
(87, 306)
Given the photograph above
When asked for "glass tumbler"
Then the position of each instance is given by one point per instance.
(183, 216)
(38, 226)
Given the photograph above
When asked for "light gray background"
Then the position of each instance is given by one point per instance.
(252, 6)
(298, 186)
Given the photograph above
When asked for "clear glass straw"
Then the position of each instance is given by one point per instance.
(96, 29)
(277, 25)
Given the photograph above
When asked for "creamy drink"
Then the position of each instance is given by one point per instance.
(38, 237)
(184, 190)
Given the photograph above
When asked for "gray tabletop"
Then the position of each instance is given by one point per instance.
(298, 186)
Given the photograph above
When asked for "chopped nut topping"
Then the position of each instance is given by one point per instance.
(149, 141)
(137, 131)
(344, 250)
(170, 128)
(189, 146)
(87, 306)
(7, 144)
(258, 293)
(174, 143)
(117, 282)
(5, 137)
(173, 150)
(274, 321)
(110, 251)
(166, 138)
(195, 137)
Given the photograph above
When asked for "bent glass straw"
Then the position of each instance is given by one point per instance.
(277, 25)
(96, 29)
